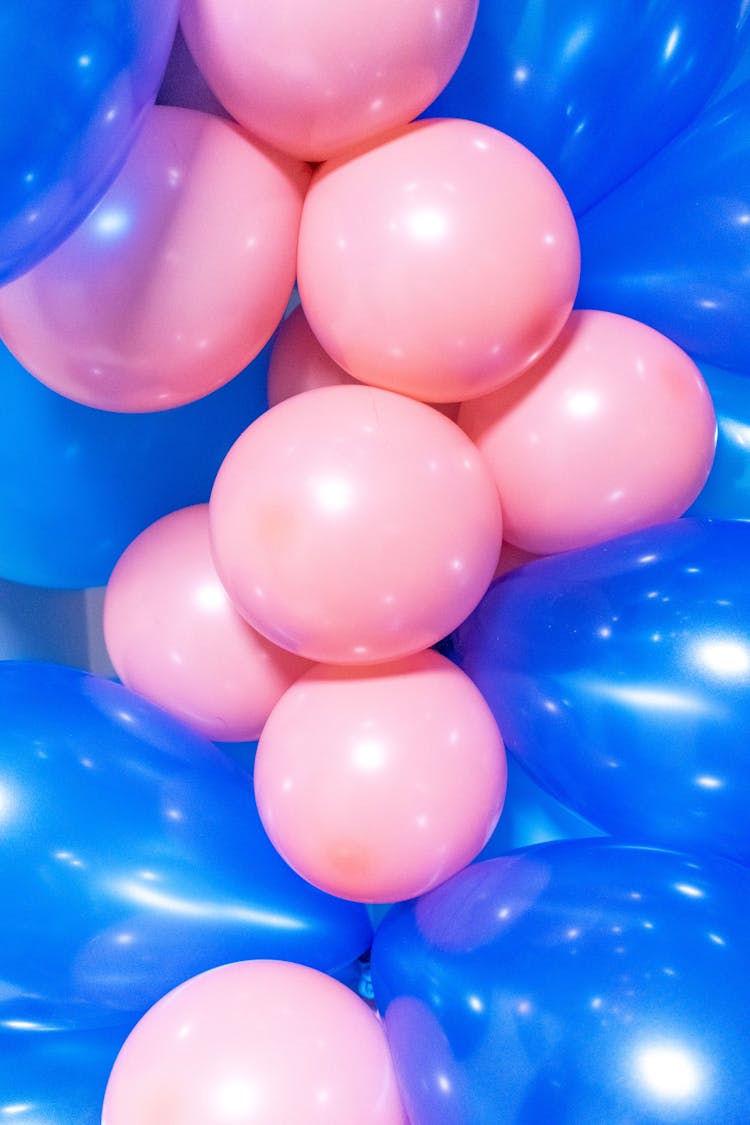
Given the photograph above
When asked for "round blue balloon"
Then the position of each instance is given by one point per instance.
(620, 678)
(726, 494)
(77, 485)
(671, 246)
(50, 1077)
(593, 88)
(584, 982)
(133, 857)
(75, 81)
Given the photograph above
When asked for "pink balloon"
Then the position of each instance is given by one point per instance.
(314, 79)
(173, 635)
(376, 784)
(299, 363)
(176, 279)
(256, 1043)
(354, 526)
(440, 263)
(612, 431)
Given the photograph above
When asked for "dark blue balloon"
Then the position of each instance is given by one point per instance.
(75, 81)
(577, 983)
(671, 245)
(77, 485)
(620, 678)
(726, 494)
(133, 858)
(56, 1077)
(593, 88)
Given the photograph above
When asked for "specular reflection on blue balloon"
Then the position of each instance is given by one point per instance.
(592, 88)
(726, 494)
(670, 246)
(620, 679)
(77, 485)
(580, 982)
(75, 80)
(133, 857)
(55, 1077)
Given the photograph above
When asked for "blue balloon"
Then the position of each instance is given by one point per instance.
(133, 857)
(670, 246)
(50, 1077)
(726, 493)
(75, 82)
(619, 676)
(77, 485)
(584, 983)
(593, 89)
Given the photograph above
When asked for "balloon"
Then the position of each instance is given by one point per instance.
(77, 485)
(585, 982)
(354, 526)
(620, 678)
(265, 1041)
(726, 494)
(593, 89)
(440, 263)
(133, 857)
(184, 85)
(173, 635)
(313, 80)
(376, 784)
(175, 281)
(299, 363)
(671, 245)
(43, 625)
(612, 430)
(512, 557)
(75, 83)
(50, 1077)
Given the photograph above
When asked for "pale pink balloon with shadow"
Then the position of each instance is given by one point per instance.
(377, 784)
(354, 526)
(256, 1043)
(174, 637)
(175, 281)
(613, 430)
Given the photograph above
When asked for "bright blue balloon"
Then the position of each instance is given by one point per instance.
(133, 857)
(75, 81)
(77, 485)
(593, 87)
(56, 1077)
(620, 678)
(578, 983)
(671, 246)
(726, 494)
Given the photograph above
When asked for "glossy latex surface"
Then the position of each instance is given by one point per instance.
(576, 983)
(671, 246)
(620, 678)
(75, 81)
(132, 857)
(593, 88)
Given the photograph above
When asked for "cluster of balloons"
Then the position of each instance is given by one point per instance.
(521, 323)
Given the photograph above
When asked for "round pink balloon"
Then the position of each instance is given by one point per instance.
(612, 431)
(354, 526)
(173, 635)
(175, 281)
(256, 1043)
(376, 784)
(314, 79)
(440, 263)
(298, 363)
